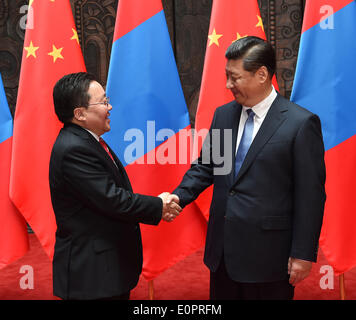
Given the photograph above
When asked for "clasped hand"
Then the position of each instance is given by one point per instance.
(171, 208)
(298, 270)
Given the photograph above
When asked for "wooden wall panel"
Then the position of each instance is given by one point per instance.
(191, 29)
(11, 45)
(95, 21)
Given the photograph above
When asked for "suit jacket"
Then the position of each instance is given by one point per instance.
(98, 249)
(273, 209)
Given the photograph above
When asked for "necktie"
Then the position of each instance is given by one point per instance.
(103, 144)
(245, 142)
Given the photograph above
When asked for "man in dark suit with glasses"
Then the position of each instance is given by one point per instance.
(98, 249)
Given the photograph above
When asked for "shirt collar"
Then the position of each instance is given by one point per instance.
(261, 108)
(93, 134)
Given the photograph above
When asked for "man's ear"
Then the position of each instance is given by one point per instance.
(262, 74)
(79, 114)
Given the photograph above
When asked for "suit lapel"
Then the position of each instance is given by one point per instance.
(233, 123)
(120, 168)
(274, 118)
(117, 171)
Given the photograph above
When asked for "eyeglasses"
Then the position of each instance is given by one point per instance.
(106, 102)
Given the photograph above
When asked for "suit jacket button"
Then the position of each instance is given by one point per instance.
(232, 193)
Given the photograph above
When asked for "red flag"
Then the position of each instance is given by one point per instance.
(13, 229)
(51, 50)
(230, 21)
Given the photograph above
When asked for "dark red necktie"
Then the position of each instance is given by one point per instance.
(103, 144)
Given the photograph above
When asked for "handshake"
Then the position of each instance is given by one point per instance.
(171, 208)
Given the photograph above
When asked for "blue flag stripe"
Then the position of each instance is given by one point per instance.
(144, 85)
(324, 80)
(5, 115)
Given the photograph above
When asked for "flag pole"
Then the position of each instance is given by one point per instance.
(150, 290)
(342, 286)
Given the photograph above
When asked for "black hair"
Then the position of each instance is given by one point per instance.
(70, 92)
(255, 53)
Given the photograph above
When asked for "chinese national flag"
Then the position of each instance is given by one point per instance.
(51, 50)
(230, 21)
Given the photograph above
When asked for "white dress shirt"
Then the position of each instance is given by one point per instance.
(97, 139)
(260, 111)
(93, 134)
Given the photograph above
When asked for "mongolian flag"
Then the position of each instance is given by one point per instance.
(51, 50)
(13, 229)
(230, 21)
(150, 129)
(324, 83)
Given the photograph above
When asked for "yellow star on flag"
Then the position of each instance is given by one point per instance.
(260, 23)
(30, 3)
(75, 35)
(31, 50)
(238, 37)
(56, 53)
(214, 38)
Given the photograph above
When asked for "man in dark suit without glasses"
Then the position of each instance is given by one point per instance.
(266, 213)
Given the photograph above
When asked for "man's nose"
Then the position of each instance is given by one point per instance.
(229, 84)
